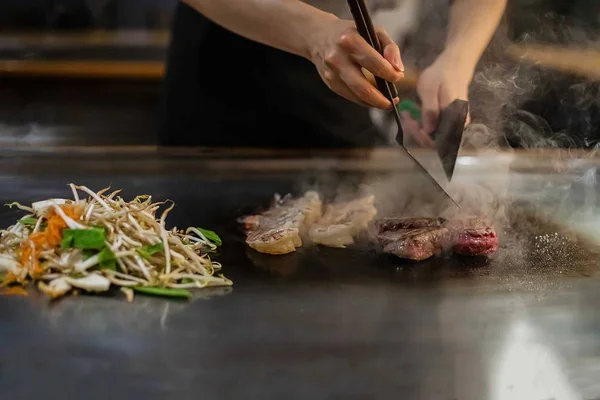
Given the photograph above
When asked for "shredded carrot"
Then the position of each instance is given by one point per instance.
(14, 291)
(48, 238)
(9, 278)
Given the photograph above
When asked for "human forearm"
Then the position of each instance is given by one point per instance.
(283, 24)
(333, 45)
(471, 27)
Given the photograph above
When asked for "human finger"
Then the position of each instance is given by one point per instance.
(362, 89)
(367, 57)
(391, 51)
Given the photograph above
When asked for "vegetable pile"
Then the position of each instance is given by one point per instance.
(92, 243)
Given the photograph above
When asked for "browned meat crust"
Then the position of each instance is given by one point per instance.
(473, 237)
(388, 224)
(414, 244)
(421, 238)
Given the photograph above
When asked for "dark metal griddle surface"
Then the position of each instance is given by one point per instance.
(321, 324)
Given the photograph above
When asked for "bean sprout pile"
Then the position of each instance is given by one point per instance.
(101, 240)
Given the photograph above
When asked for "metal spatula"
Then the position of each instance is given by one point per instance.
(449, 133)
(365, 27)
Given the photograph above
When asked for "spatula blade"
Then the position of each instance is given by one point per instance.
(449, 133)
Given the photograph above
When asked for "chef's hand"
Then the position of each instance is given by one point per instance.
(339, 53)
(438, 86)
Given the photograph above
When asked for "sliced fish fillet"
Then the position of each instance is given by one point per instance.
(279, 230)
(342, 222)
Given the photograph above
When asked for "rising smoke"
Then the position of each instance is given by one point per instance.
(513, 105)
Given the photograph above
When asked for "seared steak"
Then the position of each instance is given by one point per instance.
(421, 238)
(473, 237)
(393, 224)
(413, 244)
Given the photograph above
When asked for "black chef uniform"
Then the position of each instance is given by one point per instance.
(224, 90)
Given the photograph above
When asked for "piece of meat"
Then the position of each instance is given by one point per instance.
(393, 224)
(279, 230)
(414, 244)
(421, 238)
(251, 222)
(274, 240)
(473, 237)
(342, 222)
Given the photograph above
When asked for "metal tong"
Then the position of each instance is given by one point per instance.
(366, 29)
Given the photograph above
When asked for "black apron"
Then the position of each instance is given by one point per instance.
(223, 90)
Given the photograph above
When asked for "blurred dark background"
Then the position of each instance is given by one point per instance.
(85, 72)
(90, 72)
(558, 108)
(37, 15)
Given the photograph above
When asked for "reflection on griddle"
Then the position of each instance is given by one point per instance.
(105, 311)
(285, 265)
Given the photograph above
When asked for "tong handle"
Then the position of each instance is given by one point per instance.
(366, 29)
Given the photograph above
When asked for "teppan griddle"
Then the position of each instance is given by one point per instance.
(320, 324)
